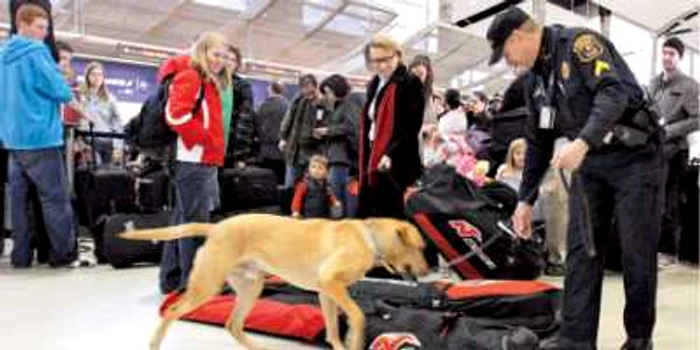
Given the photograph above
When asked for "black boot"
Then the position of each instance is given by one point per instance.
(638, 344)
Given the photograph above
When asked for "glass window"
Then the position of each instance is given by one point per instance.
(635, 44)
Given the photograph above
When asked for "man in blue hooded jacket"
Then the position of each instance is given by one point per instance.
(32, 91)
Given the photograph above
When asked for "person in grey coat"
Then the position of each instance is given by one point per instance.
(339, 135)
(296, 133)
(268, 122)
(676, 96)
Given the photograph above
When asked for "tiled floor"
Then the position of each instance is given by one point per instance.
(106, 309)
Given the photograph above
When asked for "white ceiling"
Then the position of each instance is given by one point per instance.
(320, 34)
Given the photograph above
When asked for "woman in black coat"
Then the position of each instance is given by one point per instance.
(46, 5)
(389, 130)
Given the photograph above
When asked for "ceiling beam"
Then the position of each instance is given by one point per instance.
(241, 31)
(309, 34)
(159, 24)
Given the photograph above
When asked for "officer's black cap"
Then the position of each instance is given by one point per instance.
(501, 28)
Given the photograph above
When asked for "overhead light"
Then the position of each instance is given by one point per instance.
(233, 5)
(144, 52)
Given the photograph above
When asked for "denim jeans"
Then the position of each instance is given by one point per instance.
(292, 174)
(195, 187)
(338, 178)
(47, 171)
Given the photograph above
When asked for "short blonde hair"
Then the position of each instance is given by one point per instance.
(319, 159)
(27, 13)
(384, 42)
(206, 42)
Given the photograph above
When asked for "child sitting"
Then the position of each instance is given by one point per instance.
(454, 151)
(313, 197)
(511, 173)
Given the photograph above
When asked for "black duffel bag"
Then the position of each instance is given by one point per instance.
(121, 253)
(247, 188)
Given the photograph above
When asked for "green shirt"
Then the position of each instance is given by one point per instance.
(226, 110)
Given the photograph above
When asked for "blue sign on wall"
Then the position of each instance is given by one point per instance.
(134, 83)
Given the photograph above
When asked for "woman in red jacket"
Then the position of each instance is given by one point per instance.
(200, 145)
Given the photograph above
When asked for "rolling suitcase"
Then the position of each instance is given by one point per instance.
(247, 188)
(122, 253)
(153, 190)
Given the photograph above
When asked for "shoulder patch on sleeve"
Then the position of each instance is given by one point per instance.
(601, 67)
(588, 47)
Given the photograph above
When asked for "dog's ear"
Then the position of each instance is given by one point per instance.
(410, 236)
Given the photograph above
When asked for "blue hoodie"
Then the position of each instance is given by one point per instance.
(31, 92)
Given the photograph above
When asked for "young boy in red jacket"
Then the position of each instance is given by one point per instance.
(313, 197)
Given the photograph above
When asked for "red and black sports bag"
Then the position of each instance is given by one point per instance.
(441, 315)
(469, 225)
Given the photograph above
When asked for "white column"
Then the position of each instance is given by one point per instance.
(539, 11)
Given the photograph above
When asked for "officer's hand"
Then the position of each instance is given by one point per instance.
(384, 164)
(282, 145)
(570, 156)
(522, 220)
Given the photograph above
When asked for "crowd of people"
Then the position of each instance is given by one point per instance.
(343, 152)
(329, 139)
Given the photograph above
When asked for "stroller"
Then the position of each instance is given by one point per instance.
(469, 226)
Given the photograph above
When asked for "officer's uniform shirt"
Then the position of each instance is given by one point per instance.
(590, 88)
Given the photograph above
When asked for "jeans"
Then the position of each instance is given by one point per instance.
(47, 171)
(338, 178)
(621, 187)
(195, 187)
(292, 174)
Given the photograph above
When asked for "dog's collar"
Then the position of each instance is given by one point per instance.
(373, 245)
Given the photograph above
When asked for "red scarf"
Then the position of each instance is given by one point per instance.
(384, 124)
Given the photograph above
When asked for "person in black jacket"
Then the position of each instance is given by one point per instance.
(296, 132)
(242, 133)
(46, 5)
(340, 133)
(582, 89)
(268, 120)
(389, 129)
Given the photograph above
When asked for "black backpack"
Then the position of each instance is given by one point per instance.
(148, 129)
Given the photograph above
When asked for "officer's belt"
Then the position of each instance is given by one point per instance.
(634, 131)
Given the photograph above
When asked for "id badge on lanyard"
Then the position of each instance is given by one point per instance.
(548, 113)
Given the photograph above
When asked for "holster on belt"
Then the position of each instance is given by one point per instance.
(638, 128)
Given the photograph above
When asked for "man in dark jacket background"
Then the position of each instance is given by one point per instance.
(296, 133)
(268, 120)
(676, 95)
(242, 134)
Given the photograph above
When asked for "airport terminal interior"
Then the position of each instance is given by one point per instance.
(349, 174)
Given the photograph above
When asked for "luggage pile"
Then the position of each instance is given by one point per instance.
(443, 315)
(113, 198)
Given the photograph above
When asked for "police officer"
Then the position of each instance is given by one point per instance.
(578, 86)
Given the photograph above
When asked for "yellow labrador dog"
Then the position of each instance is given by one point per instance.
(319, 255)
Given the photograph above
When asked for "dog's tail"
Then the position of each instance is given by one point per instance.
(168, 233)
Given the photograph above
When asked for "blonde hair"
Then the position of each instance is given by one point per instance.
(516, 145)
(102, 92)
(198, 61)
(319, 159)
(384, 42)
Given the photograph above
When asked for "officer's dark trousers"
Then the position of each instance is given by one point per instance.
(674, 177)
(624, 184)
